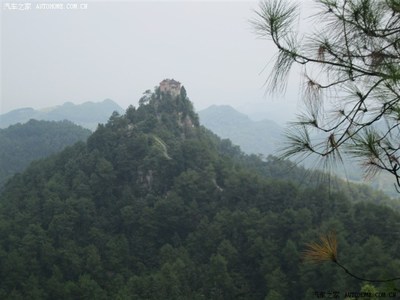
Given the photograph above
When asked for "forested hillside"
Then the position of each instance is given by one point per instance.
(23, 143)
(155, 206)
(266, 137)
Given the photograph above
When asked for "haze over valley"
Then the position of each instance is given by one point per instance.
(188, 150)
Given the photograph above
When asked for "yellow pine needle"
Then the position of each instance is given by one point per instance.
(323, 250)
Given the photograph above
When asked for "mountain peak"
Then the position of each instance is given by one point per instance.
(109, 101)
(224, 113)
(169, 106)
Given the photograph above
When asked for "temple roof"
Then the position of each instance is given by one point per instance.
(170, 81)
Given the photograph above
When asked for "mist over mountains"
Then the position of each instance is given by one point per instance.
(253, 137)
(87, 114)
(263, 136)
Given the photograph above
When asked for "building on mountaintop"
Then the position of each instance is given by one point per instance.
(170, 86)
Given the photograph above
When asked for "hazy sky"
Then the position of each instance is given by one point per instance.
(118, 50)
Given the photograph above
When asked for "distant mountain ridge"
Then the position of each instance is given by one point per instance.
(253, 137)
(87, 114)
(266, 137)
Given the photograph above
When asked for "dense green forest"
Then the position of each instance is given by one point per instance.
(23, 143)
(155, 206)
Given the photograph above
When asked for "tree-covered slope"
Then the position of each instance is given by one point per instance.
(23, 143)
(266, 137)
(88, 114)
(154, 206)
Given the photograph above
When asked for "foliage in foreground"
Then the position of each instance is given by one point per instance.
(351, 66)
